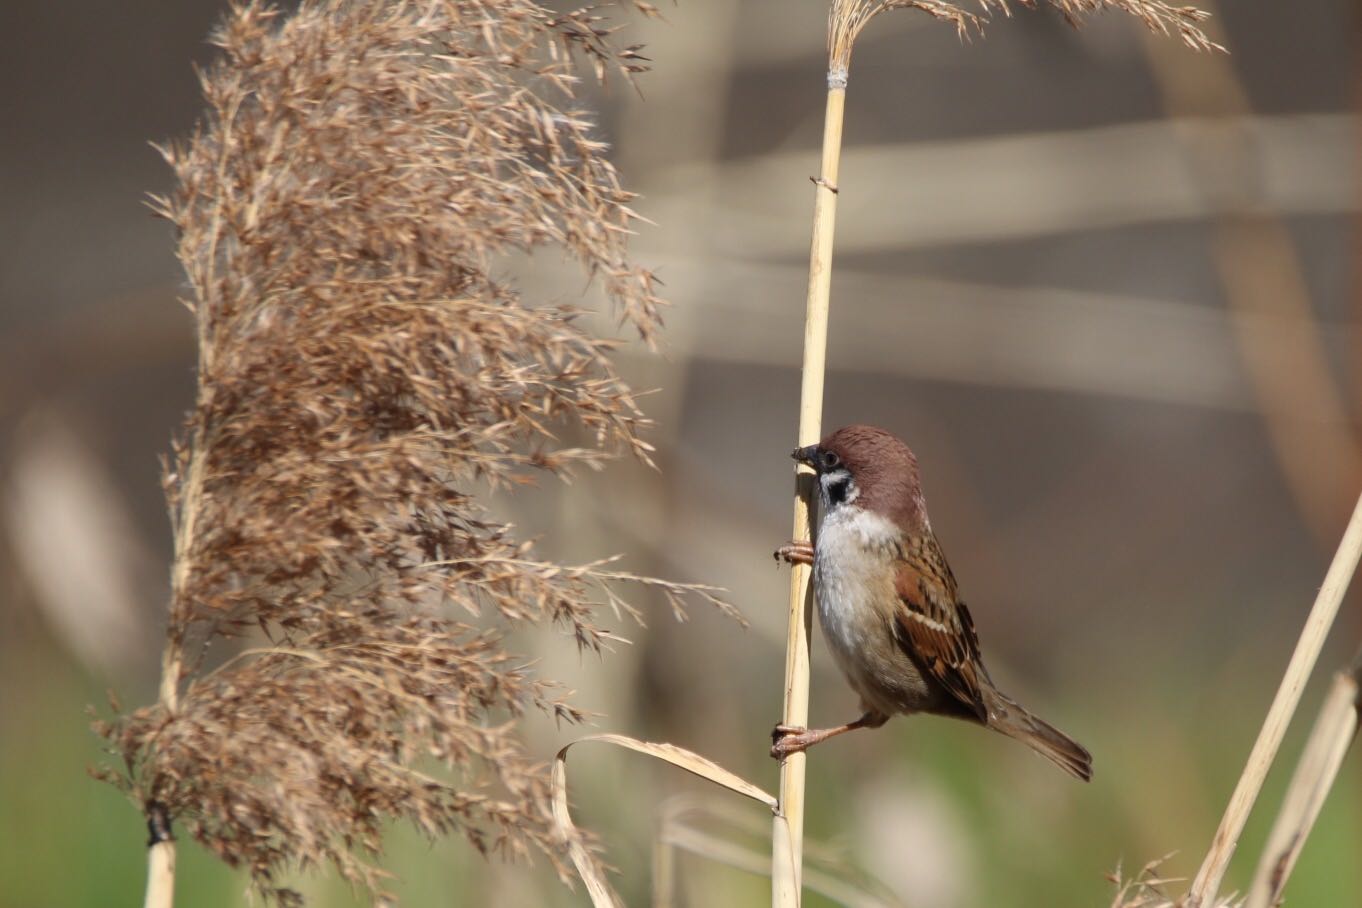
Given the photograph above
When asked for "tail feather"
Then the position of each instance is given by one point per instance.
(1007, 716)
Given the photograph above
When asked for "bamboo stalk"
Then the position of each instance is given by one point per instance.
(1319, 764)
(1322, 614)
(788, 834)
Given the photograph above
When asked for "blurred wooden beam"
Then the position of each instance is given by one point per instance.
(1040, 338)
(1012, 187)
(1237, 162)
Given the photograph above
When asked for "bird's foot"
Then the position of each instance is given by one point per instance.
(795, 553)
(791, 739)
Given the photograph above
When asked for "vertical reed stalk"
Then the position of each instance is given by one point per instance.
(161, 842)
(1322, 614)
(846, 18)
(160, 873)
(788, 838)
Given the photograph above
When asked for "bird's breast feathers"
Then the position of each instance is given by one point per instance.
(858, 557)
(853, 578)
(856, 540)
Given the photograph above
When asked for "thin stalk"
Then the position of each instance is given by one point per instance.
(1322, 614)
(788, 838)
(1319, 764)
(160, 859)
(160, 875)
(161, 846)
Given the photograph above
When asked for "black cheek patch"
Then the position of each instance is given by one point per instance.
(838, 488)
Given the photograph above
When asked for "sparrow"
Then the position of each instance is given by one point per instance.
(889, 606)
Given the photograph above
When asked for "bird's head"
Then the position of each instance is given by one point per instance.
(862, 466)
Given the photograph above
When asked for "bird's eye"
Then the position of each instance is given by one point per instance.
(831, 461)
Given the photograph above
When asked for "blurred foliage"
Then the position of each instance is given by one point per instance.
(1038, 840)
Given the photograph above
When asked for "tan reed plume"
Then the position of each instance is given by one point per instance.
(363, 380)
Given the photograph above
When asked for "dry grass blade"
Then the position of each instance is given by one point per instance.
(1328, 744)
(588, 866)
(1317, 625)
(363, 379)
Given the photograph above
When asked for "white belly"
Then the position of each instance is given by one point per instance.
(851, 571)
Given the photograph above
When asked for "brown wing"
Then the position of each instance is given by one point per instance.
(935, 627)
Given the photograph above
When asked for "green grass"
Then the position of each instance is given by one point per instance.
(1161, 783)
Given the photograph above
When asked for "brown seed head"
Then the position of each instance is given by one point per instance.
(343, 214)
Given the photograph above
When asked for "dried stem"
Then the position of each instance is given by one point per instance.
(846, 20)
(161, 845)
(160, 875)
(1207, 883)
(1328, 744)
(788, 833)
(160, 859)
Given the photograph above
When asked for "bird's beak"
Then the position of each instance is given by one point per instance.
(805, 455)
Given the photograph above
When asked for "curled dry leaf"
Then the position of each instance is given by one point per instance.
(583, 857)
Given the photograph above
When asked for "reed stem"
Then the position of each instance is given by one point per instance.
(788, 838)
(161, 847)
(160, 859)
(1329, 741)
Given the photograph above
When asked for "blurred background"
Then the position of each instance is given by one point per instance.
(1104, 287)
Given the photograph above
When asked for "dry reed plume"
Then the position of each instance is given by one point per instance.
(362, 374)
(850, 16)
